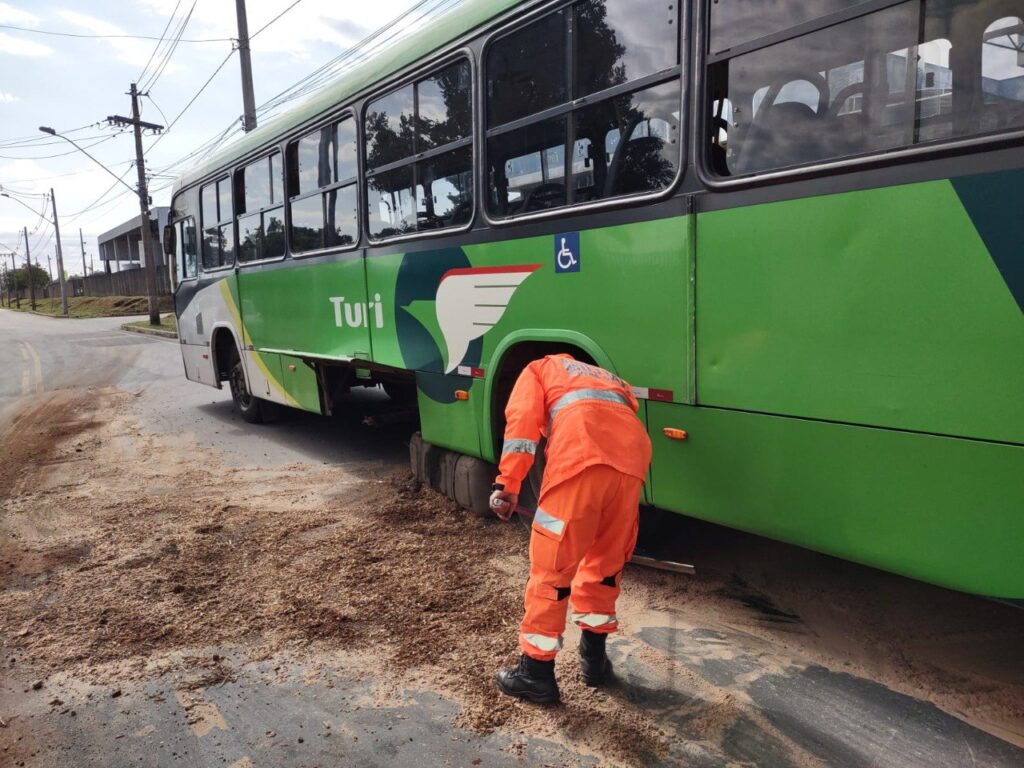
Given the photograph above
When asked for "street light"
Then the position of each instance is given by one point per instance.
(60, 252)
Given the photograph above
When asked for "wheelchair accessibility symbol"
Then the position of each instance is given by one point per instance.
(567, 252)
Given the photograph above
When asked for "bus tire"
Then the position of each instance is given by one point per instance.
(252, 409)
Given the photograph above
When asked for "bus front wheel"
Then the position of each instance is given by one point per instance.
(251, 408)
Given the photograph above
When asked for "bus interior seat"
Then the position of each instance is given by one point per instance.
(786, 133)
(546, 195)
(639, 167)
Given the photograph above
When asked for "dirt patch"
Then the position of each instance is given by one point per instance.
(110, 575)
(124, 555)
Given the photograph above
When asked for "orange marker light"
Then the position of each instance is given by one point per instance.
(291, 367)
(461, 394)
(674, 434)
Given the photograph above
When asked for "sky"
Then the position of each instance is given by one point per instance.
(74, 83)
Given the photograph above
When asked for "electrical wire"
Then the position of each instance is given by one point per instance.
(157, 107)
(315, 80)
(163, 35)
(191, 101)
(282, 13)
(112, 37)
(36, 136)
(57, 176)
(106, 192)
(148, 85)
(64, 154)
(47, 142)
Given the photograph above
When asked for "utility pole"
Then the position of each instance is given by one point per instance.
(60, 257)
(140, 165)
(31, 281)
(49, 267)
(248, 100)
(81, 241)
(14, 280)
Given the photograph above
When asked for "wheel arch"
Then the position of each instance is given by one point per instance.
(511, 355)
(222, 340)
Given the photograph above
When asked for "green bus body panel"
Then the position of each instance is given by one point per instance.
(301, 383)
(944, 510)
(879, 307)
(290, 309)
(632, 285)
(452, 425)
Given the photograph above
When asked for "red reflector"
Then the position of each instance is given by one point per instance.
(477, 373)
(664, 395)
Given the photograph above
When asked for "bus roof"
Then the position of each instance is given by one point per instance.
(450, 25)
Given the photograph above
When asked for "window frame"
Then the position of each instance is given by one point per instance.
(215, 180)
(338, 117)
(179, 235)
(868, 160)
(238, 183)
(472, 140)
(177, 219)
(679, 72)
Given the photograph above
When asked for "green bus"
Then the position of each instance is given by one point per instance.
(796, 227)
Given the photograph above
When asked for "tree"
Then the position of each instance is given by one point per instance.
(40, 278)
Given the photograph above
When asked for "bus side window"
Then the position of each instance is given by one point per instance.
(881, 81)
(612, 152)
(1002, 75)
(218, 224)
(186, 249)
(261, 214)
(432, 115)
(322, 188)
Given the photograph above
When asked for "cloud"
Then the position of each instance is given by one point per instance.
(7, 98)
(16, 46)
(11, 15)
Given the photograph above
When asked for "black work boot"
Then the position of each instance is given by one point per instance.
(532, 680)
(594, 662)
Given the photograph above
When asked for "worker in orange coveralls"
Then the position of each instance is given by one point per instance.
(585, 527)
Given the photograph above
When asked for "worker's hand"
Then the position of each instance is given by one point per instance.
(504, 504)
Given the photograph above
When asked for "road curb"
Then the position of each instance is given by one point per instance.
(149, 331)
(43, 314)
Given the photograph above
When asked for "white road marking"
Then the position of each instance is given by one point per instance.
(28, 351)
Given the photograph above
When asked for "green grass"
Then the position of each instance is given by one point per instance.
(97, 306)
(167, 323)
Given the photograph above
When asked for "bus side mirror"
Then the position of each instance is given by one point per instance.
(170, 240)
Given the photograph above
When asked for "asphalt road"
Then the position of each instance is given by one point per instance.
(819, 714)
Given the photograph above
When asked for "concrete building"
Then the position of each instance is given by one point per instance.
(121, 247)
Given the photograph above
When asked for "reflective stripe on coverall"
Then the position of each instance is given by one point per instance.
(585, 528)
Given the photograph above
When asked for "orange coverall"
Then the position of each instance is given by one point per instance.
(585, 528)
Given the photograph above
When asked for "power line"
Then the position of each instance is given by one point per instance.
(170, 50)
(57, 176)
(162, 36)
(282, 13)
(192, 100)
(19, 139)
(95, 203)
(157, 107)
(112, 37)
(63, 154)
(41, 142)
(316, 79)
